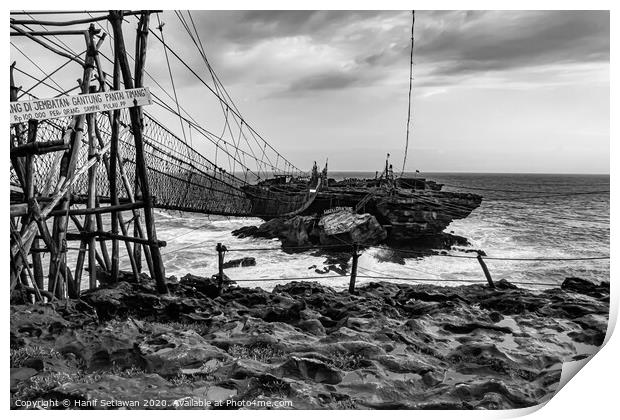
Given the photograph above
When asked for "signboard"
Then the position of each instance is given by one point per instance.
(64, 106)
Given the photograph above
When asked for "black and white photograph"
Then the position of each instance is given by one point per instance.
(306, 209)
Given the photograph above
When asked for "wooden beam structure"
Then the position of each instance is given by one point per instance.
(81, 136)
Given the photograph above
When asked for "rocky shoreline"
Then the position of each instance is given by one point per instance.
(409, 346)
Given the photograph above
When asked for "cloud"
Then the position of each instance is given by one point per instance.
(324, 81)
(497, 41)
(305, 51)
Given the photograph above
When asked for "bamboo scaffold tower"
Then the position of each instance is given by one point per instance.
(82, 135)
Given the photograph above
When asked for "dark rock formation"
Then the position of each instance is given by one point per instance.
(386, 346)
(586, 287)
(293, 232)
(418, 216)
(240, 262)
(338, 228)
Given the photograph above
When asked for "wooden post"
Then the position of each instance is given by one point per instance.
(107, 162)
(91, 203)
(353, 268)
(115, 122)
(485, 269)
(37, 265)
(67, 169)
(136, 124)
(91, 51)
(17, 260)
(102, 244)
(221, 250)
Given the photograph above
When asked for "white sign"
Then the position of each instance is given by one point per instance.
(64, 106)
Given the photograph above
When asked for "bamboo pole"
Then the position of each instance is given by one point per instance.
(80, 227)
(91, 204)
(29, 233)
(20, 258)
(136, 123)
(37, 265)
(38, 148)
(115, 120)
(69, 22)
(138, 232)
(59, 227)
(102, 244)
(132, 205)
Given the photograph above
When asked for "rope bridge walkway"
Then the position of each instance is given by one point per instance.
(181, 178)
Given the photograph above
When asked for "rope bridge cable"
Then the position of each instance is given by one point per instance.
(219, 97)
(410, 251)
(224, 108)
(332, 246)
(409, 268)
(289, 278)
(220, 88)
(174, 89)
(66, 48)
(410, 88)
(452, 280)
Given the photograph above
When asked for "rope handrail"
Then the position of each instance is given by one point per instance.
(604, 257)
(414, 279)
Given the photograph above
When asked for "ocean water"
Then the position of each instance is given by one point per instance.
(521, 216)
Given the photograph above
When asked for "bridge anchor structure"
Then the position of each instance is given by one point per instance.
(88, 168)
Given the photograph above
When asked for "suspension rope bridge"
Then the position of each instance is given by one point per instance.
(181, 177)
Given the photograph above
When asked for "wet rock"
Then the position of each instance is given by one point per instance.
(21, 374)
(245, 231)
(293, 232)
(309, 369)
(207, 286)
(504, 284)
(432, 379)
(313, 326)
(104, 347)
(171, 352)
(35, 321)
(114, 392)
(468, 328)
(586, 287)
(240, 262)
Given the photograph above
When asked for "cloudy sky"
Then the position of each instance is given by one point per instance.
(494, 91)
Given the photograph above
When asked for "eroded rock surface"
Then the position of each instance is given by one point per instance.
(337, 228)
(386, 346)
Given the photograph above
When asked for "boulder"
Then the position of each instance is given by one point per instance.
(345, 227)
